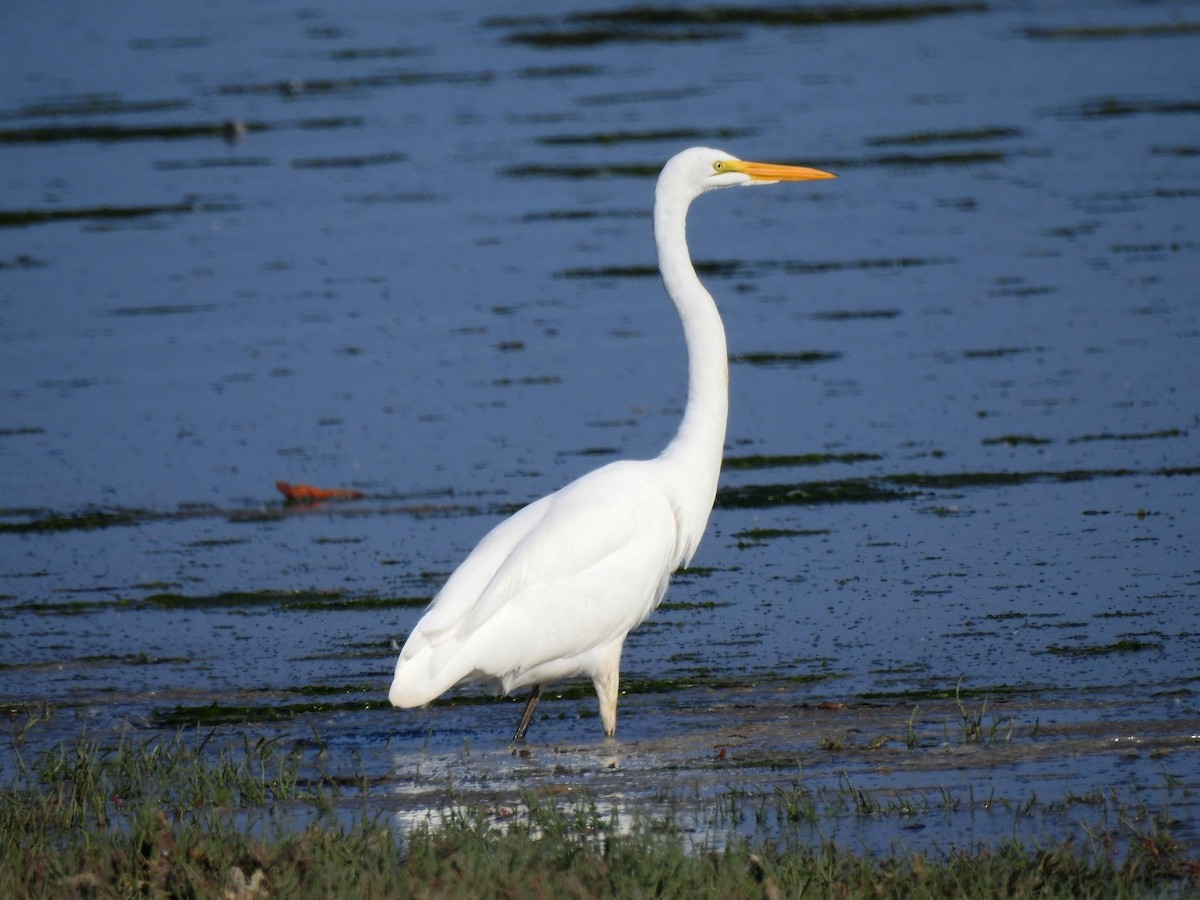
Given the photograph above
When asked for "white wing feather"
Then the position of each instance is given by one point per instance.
(563, 577)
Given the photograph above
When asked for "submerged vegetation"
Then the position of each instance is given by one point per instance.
(883, 487)
(674, 24)
(181, 816)
(266, 599)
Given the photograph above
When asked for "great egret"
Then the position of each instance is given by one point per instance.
(552, 591)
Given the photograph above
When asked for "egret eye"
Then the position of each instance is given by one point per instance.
(719, 166)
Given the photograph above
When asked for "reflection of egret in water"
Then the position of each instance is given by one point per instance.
(554, 590)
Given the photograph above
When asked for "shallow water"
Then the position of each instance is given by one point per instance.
(411, 256)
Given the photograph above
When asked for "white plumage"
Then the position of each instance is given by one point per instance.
(553, 590)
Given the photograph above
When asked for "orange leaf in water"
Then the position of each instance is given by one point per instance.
(306, 493)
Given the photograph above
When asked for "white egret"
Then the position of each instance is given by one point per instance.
(553, 591)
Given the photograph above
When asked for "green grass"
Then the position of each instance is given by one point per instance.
(169, 817)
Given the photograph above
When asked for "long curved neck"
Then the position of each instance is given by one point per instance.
(693, 458)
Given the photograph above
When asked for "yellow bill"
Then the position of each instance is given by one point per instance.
(769, 172)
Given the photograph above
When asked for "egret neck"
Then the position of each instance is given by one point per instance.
(694, 454)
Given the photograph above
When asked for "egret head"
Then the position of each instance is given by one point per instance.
(703, 169)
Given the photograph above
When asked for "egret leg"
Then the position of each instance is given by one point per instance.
(607, 681)
(527, 716)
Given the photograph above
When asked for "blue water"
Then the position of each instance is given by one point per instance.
(413, 271)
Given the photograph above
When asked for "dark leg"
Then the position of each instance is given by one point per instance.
(527, 716)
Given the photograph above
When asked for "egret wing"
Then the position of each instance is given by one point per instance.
(462, 591)
(593, 566)
(589, 549)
